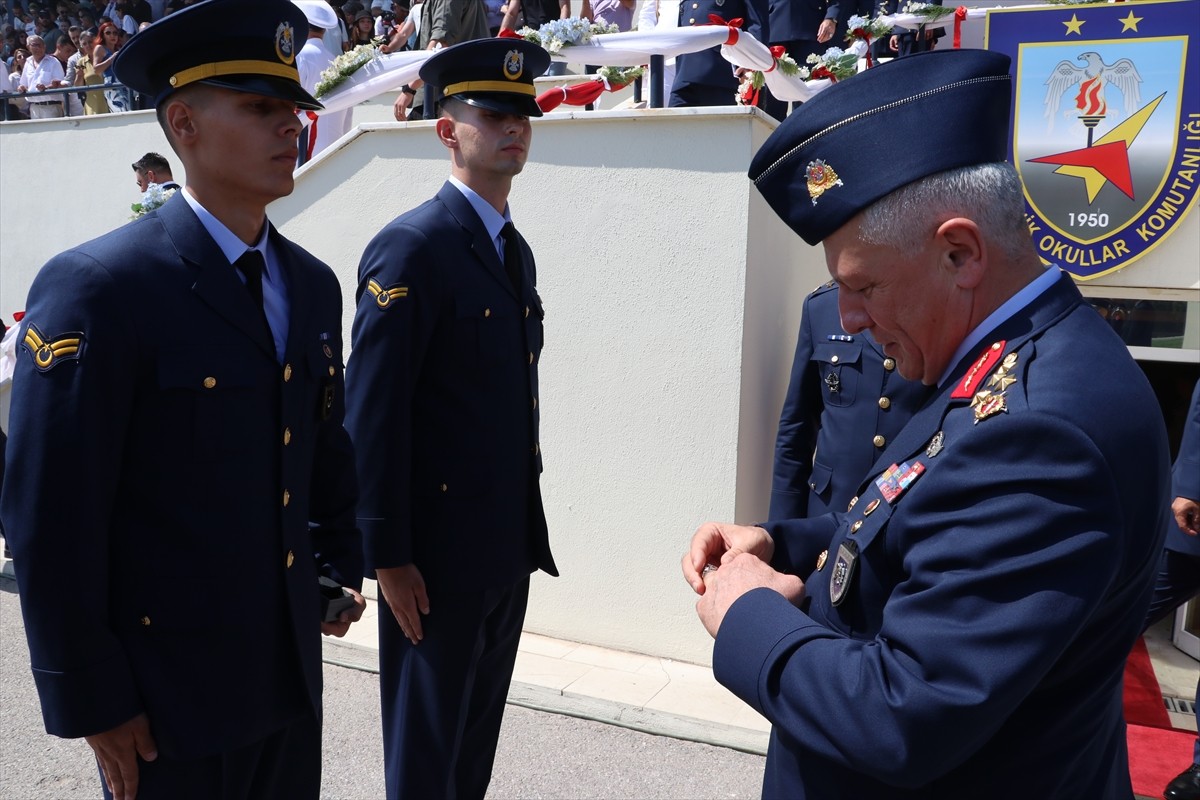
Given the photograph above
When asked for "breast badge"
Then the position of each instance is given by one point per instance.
(844, 566)
(49, 353)
(384, 297)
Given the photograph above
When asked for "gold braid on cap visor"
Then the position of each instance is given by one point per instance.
(245, 67)
(503, 87)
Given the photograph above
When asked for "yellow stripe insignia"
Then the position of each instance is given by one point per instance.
(384, 297)
(47, 353)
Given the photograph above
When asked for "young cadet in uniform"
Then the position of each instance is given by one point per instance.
(844, 403)
(965, 630)
(183, 474)
(442, 404)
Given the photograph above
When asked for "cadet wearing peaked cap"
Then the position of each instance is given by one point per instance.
(495, 74)
(442, 404)
(961, 629)
(191, 367)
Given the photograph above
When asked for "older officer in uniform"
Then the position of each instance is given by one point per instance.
(182, 474)
(443, 410)
(844, 403)
(965, 631)
(706, 78)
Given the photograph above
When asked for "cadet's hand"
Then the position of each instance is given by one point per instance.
(894, 43)
(404, 590)
(118, 749)
(1187, 515)
(350, 615)
(825, 31)
(733, 579)
(716, 543)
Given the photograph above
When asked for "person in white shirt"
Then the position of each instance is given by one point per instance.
(311, 61)
(42, 72)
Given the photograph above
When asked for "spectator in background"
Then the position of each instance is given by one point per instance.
(802, 28)
(18, 107)
(94, 101)
(102, 58)
(707, 78)
(614, 12)
(495, 15)
(49, 32)
(364, 29)
(337, 38)
(64, 52)
(153, 169)
(442, 23)
(42, 71)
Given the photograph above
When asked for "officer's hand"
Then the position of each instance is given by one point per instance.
(894, 43)
(350, 615)
(716, 542)
(117, 751)
(1187, 515)
(404, 590)
(825, 31)
(733, 579)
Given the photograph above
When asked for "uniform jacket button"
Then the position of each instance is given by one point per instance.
(879, 441)
(291, 559)
(287, 497)
(210, 382)
(889, 364)
(287, 436)
(885, 402)
(145, 621)
(287, 372)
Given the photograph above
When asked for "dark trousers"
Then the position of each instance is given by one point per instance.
(443, 700)
(285, 765)
(700, 94)
(1178, 580)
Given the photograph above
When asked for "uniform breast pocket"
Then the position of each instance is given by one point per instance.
(839, 365)
(324, 366)
(207, 393)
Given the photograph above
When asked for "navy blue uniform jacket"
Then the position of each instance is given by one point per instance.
(446, 355)
(709, 67)
(1185, 477)
(174, 491)
(979, 646)
(844, 396)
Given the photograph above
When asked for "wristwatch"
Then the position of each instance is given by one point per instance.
(408, 90)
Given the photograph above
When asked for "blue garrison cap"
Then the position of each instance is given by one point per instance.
(235, 44)
(495, 74)
(945, 109)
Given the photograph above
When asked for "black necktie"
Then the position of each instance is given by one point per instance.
(251, 264)
(512, 255)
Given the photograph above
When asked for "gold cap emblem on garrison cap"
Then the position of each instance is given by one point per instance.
(821, 178)
(47, 353)
(285, 42)
(514, 65)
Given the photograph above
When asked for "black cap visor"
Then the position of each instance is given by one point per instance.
(504, 103)
(268, 86)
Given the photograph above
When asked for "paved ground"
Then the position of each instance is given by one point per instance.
(541, 755)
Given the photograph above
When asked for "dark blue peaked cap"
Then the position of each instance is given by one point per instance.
(823, 164)
(496, 74)
(236, 44)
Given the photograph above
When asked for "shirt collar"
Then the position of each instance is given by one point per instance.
(1007, 310)
(231, 246)
(492, 220)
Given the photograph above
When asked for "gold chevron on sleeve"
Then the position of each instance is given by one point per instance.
(384, 297)
(48, 353)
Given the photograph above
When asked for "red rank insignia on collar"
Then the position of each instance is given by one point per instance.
(978, 371)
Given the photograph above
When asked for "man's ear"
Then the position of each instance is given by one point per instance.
(446, 133)
(964, 251)
(180, 119)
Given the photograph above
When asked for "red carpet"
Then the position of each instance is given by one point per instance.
(1157, 752)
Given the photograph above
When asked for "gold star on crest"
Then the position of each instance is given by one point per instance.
(1075, 25)
(1129, 23)
(980, 397)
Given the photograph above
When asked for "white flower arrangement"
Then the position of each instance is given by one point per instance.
(753, 82)
(858, 27)
(929, 11)
(154, 196)
(346, 65)
(835, 64)
(620, 76)
(560, 33)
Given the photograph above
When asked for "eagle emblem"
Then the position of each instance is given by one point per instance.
(285, 42)
(384, 297)
(47, 353)
(1090, 83)
(514, 64)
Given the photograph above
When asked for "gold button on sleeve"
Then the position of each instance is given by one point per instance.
(879, 441)
(210, 382)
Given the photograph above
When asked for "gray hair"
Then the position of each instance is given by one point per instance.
(990, 195)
